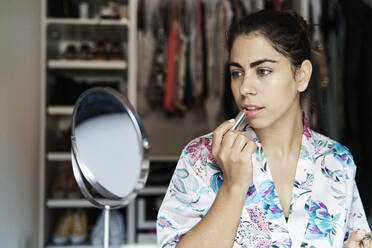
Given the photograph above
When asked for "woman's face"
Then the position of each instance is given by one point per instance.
(262, 81)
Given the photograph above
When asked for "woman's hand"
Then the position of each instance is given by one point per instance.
(233, 152)
(356, 240)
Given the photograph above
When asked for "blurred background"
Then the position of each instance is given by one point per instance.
(169, 58)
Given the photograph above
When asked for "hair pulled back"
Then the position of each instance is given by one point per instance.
(287, 31)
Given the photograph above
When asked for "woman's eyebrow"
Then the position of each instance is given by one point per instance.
(253, 64)
(258, 62)
(235, 64)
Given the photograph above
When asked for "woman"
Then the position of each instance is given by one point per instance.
(277, 183)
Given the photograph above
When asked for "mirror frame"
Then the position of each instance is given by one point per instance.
(82, 172)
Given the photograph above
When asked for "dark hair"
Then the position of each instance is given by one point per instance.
(288, 32)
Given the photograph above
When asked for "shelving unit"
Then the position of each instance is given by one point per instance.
(82, 246)
(60, 110)
(58, 156)
(83, 203)
(86, 64)
(57, 34)
(89, 22)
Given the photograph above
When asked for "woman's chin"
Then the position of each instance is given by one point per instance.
(258, 124)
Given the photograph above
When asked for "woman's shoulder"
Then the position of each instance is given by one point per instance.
(198, 154)
(199, 149)
(332, 149)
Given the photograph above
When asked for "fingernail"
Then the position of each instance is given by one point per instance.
(231, 120)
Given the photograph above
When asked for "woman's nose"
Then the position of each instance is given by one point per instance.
(247, 87)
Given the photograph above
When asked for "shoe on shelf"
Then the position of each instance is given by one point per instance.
(69, 53)
(59, 187)
(85, 52)
(99, 51)
(73, 191)
(62, 231)
(96, 236)
(116, 52)
(59, 184)
(117, 230)
(110, 10)
(79, 227)
(123, 11)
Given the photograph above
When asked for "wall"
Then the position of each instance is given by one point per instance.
(19, 121)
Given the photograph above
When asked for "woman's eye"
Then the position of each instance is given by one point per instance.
(236, 74)
(263, 72)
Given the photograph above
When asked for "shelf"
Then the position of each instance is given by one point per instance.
(87, 64)
(60, 110)
(153, 190)
(100, 246)
(59, 156)
(65, 156)
(82, 203)
(93, 22)
(84, 246)
(70, 203)
(56, 35)
(164, 158)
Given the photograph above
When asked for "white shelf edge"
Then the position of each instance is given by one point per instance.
(65, 156)
(87, 64)
(70, 203)
(58, 156)
(100, 246)
(77, 21)
(60, 110)
(84, 246)
(163, 158)
(81, 203)
(153, 190)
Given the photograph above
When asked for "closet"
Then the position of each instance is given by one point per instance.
(168, 57)
(84, 44)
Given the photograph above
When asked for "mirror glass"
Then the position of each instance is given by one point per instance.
(109, 143)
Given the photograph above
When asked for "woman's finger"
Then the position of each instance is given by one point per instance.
(355, 239)
(218, 134)
(367, 240)
(240, 142)
(248, 150)
(229, 138)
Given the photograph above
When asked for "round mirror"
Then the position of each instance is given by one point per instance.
(109, 150)
(109, 147)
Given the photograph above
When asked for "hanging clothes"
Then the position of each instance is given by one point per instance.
(198, 49)
(155, 85)
(171, 62)
(188, 59)
(184, 43)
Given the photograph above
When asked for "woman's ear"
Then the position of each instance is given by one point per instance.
(303, 75)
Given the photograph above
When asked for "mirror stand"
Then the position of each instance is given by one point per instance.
(106, 237)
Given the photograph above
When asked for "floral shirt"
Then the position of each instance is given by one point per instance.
(324, 210)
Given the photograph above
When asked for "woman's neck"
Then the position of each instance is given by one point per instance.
(284, 138)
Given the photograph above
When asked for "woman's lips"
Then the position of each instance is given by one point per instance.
(252, 110)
